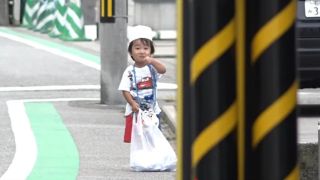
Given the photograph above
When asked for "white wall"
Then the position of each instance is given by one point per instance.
(158, 14)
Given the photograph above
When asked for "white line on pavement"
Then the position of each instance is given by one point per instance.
(59, 99)
(50, 88)
(161, 86)
(26, 148)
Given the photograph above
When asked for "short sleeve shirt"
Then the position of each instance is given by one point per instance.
(140, 84)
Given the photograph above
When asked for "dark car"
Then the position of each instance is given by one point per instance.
(308, 42)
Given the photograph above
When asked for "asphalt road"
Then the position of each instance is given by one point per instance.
(35, 78)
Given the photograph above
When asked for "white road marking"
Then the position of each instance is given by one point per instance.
(26, 147)
(50, 88)
(59, 99)
(161, 86)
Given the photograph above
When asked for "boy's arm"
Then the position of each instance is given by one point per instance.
(134, 105)
(161, 68)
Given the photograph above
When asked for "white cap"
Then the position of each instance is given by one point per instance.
(139, 31)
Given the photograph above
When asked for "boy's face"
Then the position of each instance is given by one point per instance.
(140, 51)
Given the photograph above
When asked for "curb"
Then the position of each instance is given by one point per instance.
(308, 160)
(169, 116)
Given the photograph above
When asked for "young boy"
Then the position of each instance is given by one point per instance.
(139, 81)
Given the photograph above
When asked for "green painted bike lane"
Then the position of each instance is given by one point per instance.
(58, 156)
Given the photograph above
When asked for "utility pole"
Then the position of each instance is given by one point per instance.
(4, 14)
(113, 49)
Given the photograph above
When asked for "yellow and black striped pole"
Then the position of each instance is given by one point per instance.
(241, 68)
(184, 55)
(213, 90)
(271, 36)
(107, 11)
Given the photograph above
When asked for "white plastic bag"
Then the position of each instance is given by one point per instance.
(150, 150)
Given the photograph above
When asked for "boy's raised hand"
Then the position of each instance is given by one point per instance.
(156, 64)
(148, 59)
